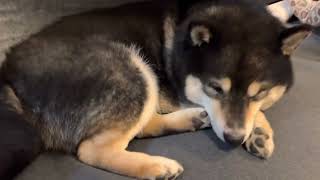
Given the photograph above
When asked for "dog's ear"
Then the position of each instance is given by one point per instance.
(200, 34)
(292, 37)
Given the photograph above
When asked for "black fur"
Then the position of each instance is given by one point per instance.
(19, 142)
(72, 95)
(245, 46)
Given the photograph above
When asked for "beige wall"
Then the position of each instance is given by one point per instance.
(20, 18)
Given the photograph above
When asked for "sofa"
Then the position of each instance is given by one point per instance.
(295, 119)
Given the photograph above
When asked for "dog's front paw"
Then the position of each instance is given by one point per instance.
(260, 143)
(161, 169)
(200, 119)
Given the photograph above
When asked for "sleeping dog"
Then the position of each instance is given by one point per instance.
(90, 83)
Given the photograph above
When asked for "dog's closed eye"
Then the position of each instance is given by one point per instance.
(260, 95)
(213, 89)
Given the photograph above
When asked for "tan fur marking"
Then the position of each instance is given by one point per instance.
(251, 113)
(155, 127)
(261, 121)
(169, 28)
(169, 34)
(274, 95)
(253, 89)
(225, 84)
(11, 99)
(107, 151)
(200, 34)
(166, 105)
(292, 42)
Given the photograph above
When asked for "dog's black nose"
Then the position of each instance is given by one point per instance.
(232, 139)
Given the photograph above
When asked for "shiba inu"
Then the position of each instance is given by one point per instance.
(90, 83)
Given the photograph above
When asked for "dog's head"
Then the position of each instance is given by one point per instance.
(233, 60)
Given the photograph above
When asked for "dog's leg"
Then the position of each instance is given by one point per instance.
(108, 151)
(185, 120)
(260, 143)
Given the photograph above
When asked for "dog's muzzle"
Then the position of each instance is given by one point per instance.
(233, 139)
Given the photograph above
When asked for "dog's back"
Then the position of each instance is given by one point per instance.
(52, 93)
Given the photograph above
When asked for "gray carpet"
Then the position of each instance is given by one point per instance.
(310, 49)
(296, 122)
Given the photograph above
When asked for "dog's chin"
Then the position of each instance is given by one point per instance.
(218, 123)
(216, 127)
(219, 135)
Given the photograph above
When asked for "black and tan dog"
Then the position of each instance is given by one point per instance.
(90, 83)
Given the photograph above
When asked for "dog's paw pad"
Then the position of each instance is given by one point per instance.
(261, 131)
(197, 123)
(258, 131)
(203, 114)
(260, 144)
(200, 119)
